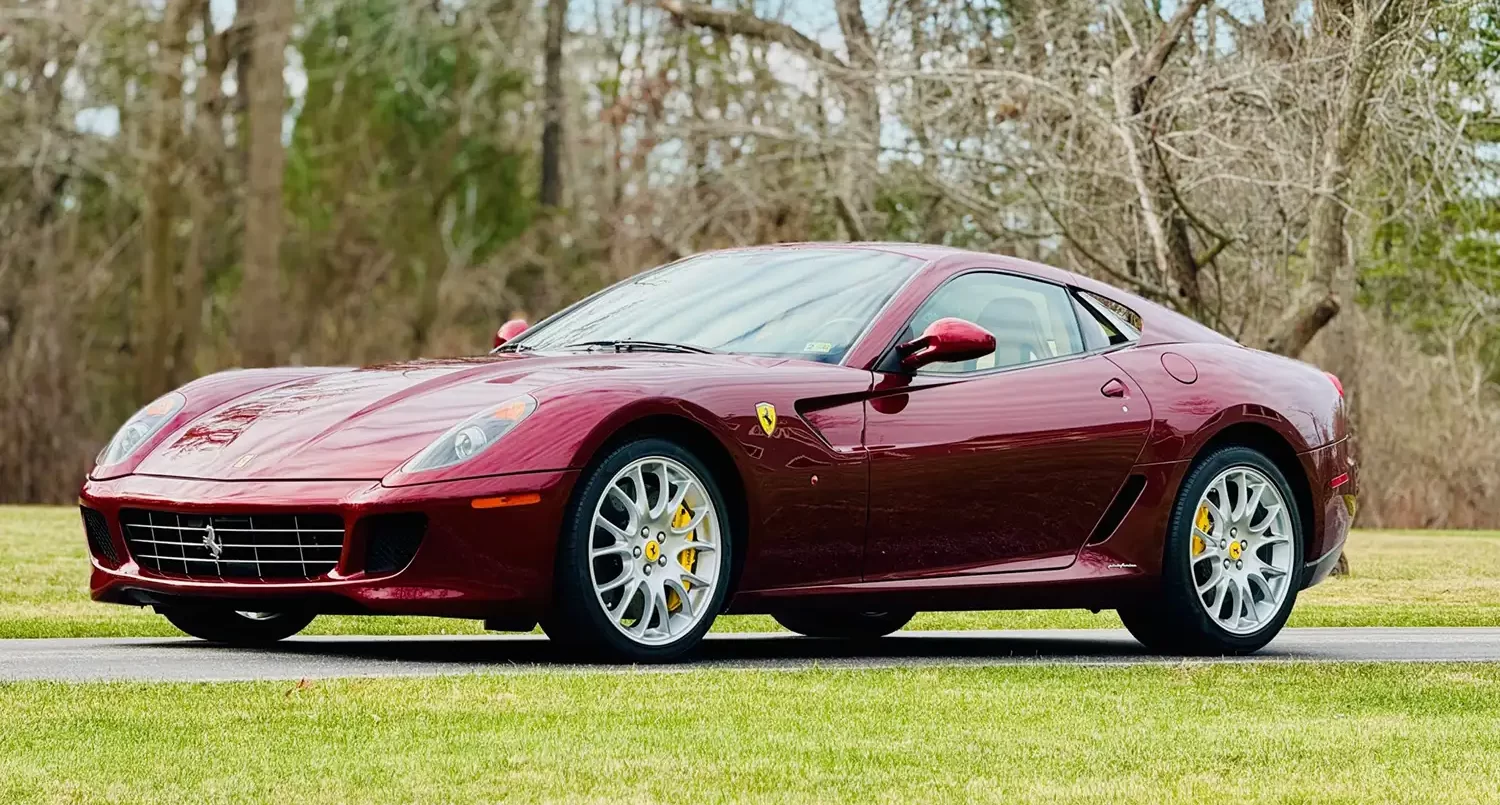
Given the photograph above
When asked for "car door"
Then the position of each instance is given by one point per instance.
(1002, 463)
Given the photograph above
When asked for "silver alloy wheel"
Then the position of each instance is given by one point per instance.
(1242, 560)
(654, 550)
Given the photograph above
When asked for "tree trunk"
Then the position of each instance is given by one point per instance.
(259, 313)
(157, 314)
(855, 194)
(1332, 265)
(552, 126)
(205, 242)
(1134, 74)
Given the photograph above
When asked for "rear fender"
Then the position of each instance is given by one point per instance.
(1233, 385)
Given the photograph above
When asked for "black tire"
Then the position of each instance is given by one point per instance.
(842, 624)
(576, 620)
(235, 628)
(1175, 621)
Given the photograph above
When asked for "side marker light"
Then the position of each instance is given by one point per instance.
(503, 501)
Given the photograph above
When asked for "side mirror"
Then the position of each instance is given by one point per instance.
(946, 340)
(510, 330)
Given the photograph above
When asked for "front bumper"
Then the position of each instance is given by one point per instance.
(471, 562)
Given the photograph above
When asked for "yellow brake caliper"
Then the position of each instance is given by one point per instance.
(688, 559)
(1204, 524)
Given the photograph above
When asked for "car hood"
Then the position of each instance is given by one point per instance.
(360, 424)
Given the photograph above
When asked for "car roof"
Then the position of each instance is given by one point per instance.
(930, 254)
(1160, 325)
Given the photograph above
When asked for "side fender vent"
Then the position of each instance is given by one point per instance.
(1129, 493)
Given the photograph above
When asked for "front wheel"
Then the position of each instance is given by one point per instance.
(643, 561)
(841, 624)
(1232, 563)
(237, 628)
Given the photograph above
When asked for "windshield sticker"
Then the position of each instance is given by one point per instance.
(819, 347)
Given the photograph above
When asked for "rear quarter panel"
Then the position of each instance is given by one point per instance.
(1236, 385)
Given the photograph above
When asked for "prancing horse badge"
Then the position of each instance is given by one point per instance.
(766, 413)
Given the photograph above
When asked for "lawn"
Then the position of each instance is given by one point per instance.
(1398, 579)
(1190, 733)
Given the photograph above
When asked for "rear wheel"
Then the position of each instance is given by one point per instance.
(644, 557)
(1232, 563)
(843, 624)
(237, 628)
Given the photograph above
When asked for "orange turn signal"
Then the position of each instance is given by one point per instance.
(506, 500)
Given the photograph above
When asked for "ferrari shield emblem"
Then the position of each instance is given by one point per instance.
(766, 413)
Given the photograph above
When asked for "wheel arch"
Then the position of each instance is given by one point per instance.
(1274, 446)
(702, 442)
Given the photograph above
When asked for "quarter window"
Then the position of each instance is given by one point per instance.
(1108, 321)
(1031, 320)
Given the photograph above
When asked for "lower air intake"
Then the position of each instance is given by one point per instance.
(100, 544)
(391, 540)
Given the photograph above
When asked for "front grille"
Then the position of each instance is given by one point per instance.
(234, 546)
(100, 544)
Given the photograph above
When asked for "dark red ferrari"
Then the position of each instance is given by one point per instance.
(837, 435)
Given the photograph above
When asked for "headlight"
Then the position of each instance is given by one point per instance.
(141, 427)
(470, 437)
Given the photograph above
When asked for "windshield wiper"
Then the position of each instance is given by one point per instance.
(632, 345)
(514, 348)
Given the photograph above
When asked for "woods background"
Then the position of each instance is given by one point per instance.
(190, 185)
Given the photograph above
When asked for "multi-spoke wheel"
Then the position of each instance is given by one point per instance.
(644, 559)
(1241, 550)
(236, 628)
(1232, 562)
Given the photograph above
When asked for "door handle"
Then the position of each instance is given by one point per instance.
(1114, 388)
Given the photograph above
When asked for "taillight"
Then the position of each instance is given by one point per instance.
(1336, 382)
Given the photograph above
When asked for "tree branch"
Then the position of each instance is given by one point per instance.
(1161, 49)
(1342, 143)
(730, 23)
(851, 220)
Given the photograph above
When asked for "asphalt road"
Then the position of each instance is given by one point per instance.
(185, 659)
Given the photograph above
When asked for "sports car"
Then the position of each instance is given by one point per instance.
(837, 435)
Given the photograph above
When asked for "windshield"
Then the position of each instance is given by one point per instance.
(800, 303)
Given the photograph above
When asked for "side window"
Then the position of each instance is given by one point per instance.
(1107, 322)
(1031, 320)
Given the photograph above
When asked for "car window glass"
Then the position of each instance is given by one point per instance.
(1031, 320)
(1117, 323)
(795, 303)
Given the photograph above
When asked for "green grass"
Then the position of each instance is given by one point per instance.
(1398, 579)
(1262, 733)
(1272, 732)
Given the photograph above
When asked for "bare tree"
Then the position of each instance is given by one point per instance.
(1359, 29)
(270, 24)
(163, 173)
(552, 133)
